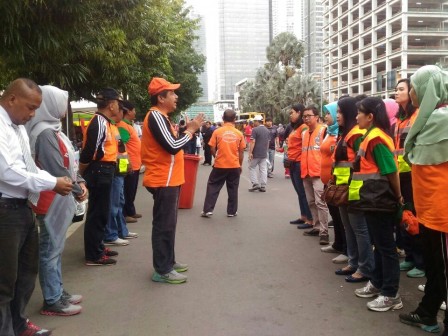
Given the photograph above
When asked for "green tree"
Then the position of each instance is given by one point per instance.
(280, 83)
(82, 46)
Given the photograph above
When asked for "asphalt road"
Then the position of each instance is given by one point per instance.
(252, 275)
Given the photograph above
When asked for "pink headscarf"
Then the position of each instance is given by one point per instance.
(392, 109)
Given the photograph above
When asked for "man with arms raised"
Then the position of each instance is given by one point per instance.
(163, 157)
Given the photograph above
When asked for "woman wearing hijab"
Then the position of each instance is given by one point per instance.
(327, 150)
(54, 153)
(426, 148)
(294, 158)
(375, 191)
(359, 247)
(406, 116)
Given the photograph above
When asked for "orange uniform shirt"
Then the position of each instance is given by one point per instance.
(326, 150)
(295, 144)
(162, 168)
(228, 141)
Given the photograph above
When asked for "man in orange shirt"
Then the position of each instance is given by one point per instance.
(163, 157)
(311, 172)
(227, 146)
(133, 147)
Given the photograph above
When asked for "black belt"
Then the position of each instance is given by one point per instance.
(13, 203)
(104, 163)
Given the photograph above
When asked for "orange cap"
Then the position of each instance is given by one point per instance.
(158, 84)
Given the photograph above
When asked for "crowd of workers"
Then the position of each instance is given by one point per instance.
(383, 158)
(385, 161)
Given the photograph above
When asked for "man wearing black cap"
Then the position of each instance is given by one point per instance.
(97, 164)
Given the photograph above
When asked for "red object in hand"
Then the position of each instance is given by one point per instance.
(410, 223)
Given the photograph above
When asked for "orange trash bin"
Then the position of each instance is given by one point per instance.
(186, 196)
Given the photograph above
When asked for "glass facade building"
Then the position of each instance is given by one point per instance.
(244, 34)
(313, 36)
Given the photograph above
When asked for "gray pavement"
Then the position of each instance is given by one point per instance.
(252, 275)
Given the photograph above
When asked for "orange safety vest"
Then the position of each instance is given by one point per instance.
(402, 129)
(162, 168)
(311, 156)
(295, 143)
(110, 143)
(342, 170)
(369, 190)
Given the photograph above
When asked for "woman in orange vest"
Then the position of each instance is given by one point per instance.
(406, 116)
(311, 163)
(359, 247)
(327, 151)
(295, 157)
(375, 190)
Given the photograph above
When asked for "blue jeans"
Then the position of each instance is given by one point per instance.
(50, 275)
(271, 157)
(359, 246)
(116, 226)
(296, 179)
(386, 274)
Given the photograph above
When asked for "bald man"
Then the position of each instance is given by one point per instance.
(20, 181)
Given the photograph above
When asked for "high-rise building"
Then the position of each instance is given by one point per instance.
(200, 45)
(243, 35)
(313, 37)
(286, 16)
(370, 45)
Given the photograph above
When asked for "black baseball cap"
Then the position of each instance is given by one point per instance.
(109, 94)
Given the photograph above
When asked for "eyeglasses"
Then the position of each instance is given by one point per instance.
(306, 116)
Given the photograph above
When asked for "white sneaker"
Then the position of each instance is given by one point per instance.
(384, 303)
(172, 277)
(131, 235)
(206, 214)
(340, 259)
(368, 291)
(117, 242)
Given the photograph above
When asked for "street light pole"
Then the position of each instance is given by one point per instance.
(322, 81)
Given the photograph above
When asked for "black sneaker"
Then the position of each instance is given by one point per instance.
(60, 308)
(324, 239)
(103, 261)
(428, 324)
(255, 187)
(312, 232)
(262, 189)
(109, 253)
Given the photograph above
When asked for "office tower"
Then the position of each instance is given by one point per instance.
(313, 37)
(287, 16)
(370, 45)
(200, 45)
(243, 35)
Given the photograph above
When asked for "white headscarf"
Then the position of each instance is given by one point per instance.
(48, 115)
